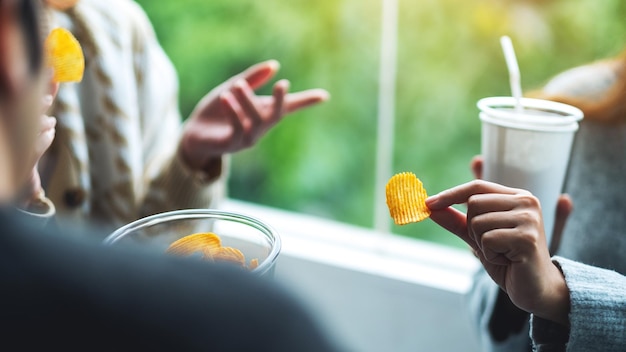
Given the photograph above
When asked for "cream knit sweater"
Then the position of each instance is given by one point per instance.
(115, 156)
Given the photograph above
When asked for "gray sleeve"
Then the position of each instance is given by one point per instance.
(597, 311)
(482, 302)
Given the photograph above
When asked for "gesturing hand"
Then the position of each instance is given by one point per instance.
(504, 227)
(231, 117)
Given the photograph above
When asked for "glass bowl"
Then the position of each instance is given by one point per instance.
(254, 238)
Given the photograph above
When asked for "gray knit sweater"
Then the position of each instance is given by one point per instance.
(594, 243)
(597, 313)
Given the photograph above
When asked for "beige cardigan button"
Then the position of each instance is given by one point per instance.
(74, 197)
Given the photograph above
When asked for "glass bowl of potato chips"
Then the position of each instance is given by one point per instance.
(205, 234)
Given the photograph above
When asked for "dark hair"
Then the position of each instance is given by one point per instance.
(28, 14)
(25, 13)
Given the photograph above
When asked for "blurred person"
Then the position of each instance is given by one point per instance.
(63, 293)
(595, 195)
(121, 151)
(572, 306)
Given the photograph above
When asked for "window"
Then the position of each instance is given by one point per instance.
(322, 161)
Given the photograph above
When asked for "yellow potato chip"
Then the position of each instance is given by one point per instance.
(209, 245)
(254, 263)
(65, 56)
(199, 242)
(228, 254)
(406, 199)
(61, 4)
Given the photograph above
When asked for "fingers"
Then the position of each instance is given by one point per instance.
(477, 166)
(247, 100)
(261, 73)
(305, 98)
(454, 221)
(461, 194)
(483, 214)
(564, 208)
(498, 246)
(234, 113)
(47, 123)
(46, 135)
(53, 89)
(280, 91)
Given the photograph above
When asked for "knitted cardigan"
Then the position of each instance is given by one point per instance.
(115, 156)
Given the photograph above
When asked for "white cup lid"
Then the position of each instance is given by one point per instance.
(537, 111)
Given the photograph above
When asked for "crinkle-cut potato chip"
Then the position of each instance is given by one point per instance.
(228, 254)
(210, 246)
(253, 264)
(65, 56)
(198, 242)
(61, 4)
(406, 199)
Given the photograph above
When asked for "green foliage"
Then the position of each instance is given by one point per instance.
(321, 160)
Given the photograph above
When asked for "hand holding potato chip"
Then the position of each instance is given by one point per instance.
(64, 56)
(32, 193)
(504, 227)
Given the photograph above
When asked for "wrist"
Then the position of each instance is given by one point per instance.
(556, 306)
(207, 170)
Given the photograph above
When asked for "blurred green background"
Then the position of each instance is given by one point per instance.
(322, 161)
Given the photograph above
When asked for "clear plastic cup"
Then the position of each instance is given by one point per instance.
(254, 238)
(529, 150)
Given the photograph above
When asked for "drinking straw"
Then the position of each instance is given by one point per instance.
(514, 74)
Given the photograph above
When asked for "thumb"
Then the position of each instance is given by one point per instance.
(564, 208)
(454, 221)
(477, 166)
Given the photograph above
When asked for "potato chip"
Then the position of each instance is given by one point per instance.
(209, 245)
(254, 263)
(65, 56)
(406, 198)
(61, 4)
(228, 254)
(198, 242)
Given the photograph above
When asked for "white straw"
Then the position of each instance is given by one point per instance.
(514, 74)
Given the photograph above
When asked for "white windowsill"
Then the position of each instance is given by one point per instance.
(365, 250)
(374, 291)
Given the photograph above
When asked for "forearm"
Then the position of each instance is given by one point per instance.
(179, 187)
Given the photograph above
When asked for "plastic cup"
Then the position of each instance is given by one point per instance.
(254, 238)
(530, 150)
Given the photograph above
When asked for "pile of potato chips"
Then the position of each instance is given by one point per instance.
(209, 246)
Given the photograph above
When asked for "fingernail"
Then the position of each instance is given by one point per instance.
(274, 64)
(432, 201)
(47, 100)
(285, 83)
